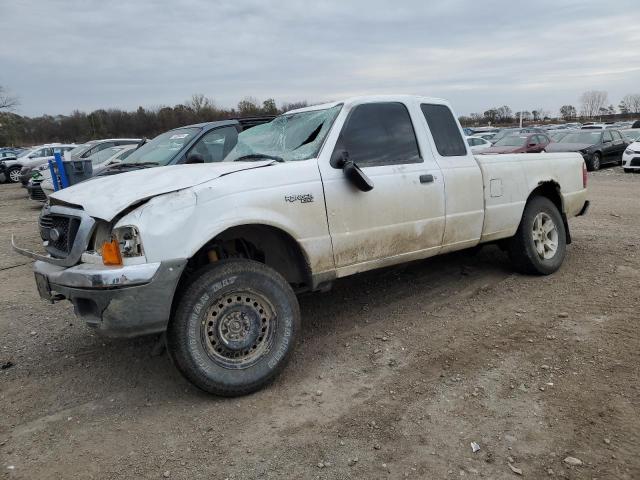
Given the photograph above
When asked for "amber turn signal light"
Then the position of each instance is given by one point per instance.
(111, 253)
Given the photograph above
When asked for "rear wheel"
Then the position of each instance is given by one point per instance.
(540, 243)
(13, 174)
(595, 162)
(234, 328)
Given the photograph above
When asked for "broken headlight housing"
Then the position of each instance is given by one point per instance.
(129, 241)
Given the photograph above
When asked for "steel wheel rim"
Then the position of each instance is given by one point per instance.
(545, 236)
(14, 175)
(238, 329)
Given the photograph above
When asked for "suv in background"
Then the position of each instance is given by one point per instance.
(32, 158)
(79, 152)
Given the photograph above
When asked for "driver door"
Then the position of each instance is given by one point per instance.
(402, 217)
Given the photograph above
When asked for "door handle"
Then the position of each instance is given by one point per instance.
(426, 178)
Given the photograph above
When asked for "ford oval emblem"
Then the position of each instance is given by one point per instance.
(54, 235)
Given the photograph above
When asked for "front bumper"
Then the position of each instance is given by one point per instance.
(124, 301)
(631, 161)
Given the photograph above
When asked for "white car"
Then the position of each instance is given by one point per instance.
(477, 144)
(33, 157)
(215, 253)
(631, 158)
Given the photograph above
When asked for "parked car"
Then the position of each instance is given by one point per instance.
(200, 143)
(33, 157)
(523, 143)
(597, 147)
(41, 185)
(636, 124)
(594, 126)
(215, 253)
(631, 158)
(85, 151)
(477, 144)
(631, 134)
(555, 136)
(505, 132)
(7, 154)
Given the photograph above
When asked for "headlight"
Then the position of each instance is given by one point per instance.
(628, 151)
(124, 242)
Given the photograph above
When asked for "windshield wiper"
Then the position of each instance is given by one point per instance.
(259, 156)
(134, 165)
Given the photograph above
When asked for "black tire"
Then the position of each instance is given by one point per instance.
(595, 163)
(522, 246)
(628, 170)
(234, 328)
(12, 171)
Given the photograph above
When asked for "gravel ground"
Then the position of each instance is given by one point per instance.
(397, 372)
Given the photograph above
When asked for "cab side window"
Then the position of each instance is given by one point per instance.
(213, 146)
(377, 134)
(444, 130)
(606, 137)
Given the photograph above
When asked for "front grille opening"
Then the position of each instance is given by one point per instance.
(59, 245)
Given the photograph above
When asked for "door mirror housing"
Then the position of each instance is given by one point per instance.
(354, 174)
(194, 158)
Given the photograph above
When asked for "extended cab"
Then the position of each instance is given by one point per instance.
(214, 254)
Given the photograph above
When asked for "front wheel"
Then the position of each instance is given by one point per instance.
(595, 162)
(13, 175)
(540, 243)
(234, 328)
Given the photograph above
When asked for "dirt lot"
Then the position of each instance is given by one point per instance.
(396, 374)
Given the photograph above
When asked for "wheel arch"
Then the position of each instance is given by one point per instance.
(551, 190)
(261, 242)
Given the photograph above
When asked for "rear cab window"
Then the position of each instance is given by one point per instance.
(444, 130)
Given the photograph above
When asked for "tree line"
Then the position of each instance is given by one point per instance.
(17, 130)
(594, 104)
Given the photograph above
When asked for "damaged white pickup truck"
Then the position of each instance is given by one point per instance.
(214, 253)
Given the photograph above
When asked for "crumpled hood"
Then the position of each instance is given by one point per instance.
(105, 197)
(567, 147)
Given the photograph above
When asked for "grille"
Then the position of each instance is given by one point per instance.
(36, 193)
(66, 227)
(635, 162)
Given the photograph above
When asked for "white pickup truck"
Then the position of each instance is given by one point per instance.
(214, 253)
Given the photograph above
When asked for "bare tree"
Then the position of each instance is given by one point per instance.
(630, 103)
(542, 113)
(7, 102)
(199, 102)
(592, 101)
(568, 112)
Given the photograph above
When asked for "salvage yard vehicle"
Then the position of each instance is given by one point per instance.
(631, 158)
(522, 143)
(214, 254)
(200, 143)
(41, 185)
(32, 158)
(598, 147)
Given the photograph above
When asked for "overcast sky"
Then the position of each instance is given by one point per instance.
(61, 55)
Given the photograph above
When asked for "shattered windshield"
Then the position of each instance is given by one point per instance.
(296, 136)
(162, 149)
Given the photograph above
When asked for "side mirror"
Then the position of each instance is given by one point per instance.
(195, 158)
(532, 144)
(354, 174)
